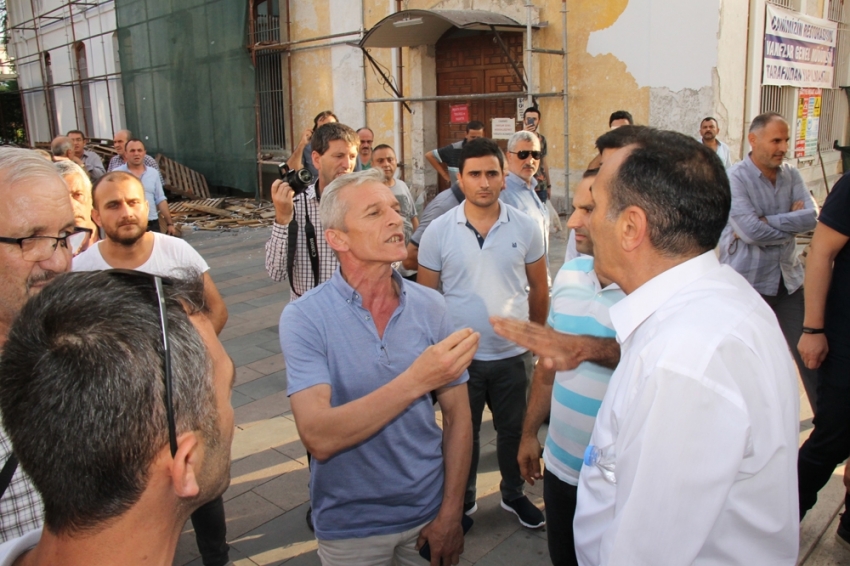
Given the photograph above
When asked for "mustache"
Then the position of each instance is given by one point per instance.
(40, 278)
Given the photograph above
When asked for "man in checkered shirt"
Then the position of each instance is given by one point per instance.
(36, 204)
(335, 148)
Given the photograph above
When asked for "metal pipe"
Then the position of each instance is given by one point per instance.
(71, 83)
(398, 115)
(292, 142)
(528, 62)
(73, 58)
(45, 14)
(18, 60)
(282, 46)
(51, 126)
(324, 45)
(493, 95)
(257, 128)
(569, 204)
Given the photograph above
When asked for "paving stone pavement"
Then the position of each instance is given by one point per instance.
(268, 496)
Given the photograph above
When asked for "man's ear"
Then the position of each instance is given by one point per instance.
(751, 137)
(95, 216)
(185, 466)
(316, 157)
(633, 228)
(337, 239)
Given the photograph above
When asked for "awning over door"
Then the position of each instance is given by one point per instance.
(410, 28)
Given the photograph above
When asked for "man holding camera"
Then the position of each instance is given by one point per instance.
(296, 249)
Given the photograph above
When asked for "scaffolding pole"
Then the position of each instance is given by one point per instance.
(569, 204)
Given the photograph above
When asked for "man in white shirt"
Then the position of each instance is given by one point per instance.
(693, 455)
(84, 372)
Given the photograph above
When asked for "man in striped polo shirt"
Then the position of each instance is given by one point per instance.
(579, 313)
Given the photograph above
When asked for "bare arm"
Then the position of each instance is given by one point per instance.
(216, 309)
(166, 215)
(296, 160)
(539, 405)
(412, 259)
(826, 243)
(428, 277)
(327, 430)
(444, 533)
(557, 350)
(538, 290)
(441, 168)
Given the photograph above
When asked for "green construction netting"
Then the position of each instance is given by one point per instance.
(189, 85)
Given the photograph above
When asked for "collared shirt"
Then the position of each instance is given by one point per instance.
(154, 193)
(117, 161)
(481, 279)
(520, 195)
(13, 549)
(764, 251)
(93, 165)
(700, 427)
(579, 306)
(442, 203)
(393, 481)
(21, 509)
(276, 248)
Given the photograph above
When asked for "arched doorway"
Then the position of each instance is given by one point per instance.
(473, 62)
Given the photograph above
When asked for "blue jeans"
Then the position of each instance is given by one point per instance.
(505, 383)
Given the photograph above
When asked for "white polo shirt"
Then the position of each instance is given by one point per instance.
(480, 280)
(701, 419)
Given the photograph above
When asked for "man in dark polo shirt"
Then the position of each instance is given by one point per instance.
(446, 160)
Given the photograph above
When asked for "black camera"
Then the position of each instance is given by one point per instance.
(298, 179)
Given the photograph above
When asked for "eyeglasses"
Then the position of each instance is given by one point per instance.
(40, 248)
(525, 153)
(166, 349)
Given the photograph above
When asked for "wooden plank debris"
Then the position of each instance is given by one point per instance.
(221, 213)
(182, 180)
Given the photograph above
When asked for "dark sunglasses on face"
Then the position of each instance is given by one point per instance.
(525, 153)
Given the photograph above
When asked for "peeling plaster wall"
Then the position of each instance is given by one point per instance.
(729, 79)
(347, 64)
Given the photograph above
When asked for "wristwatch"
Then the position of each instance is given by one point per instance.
(808, 330)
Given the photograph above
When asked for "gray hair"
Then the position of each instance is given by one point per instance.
(18, 165)
(61, 145)
(71, 169)
(762, 120)
(332, 211)
(521, 136)
(128, 132)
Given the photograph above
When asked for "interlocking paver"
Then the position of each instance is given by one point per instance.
(269, 365)
(264, 386)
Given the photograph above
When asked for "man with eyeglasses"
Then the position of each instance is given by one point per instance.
(120, 208)
(770, 206)
(37, 237)
(136, 442)
(523, 160)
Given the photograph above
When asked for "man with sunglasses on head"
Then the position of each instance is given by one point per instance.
(122, 376)
(36, 243)
(523, 160)
(120, 208)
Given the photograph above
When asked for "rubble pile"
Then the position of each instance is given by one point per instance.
(221, 213)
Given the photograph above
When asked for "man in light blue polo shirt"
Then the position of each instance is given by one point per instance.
(579, 312)
(135, 153)
(363, 352)
(523, 161)
(486, 254)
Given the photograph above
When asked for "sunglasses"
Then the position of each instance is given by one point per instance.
(158, 283)
(525, 153)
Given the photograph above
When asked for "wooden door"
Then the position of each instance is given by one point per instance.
(474, 63)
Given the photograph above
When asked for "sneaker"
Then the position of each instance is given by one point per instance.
(843, 536)
(528, 515)
(470, 508)
(310, 517)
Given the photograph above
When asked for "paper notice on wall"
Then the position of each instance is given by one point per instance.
(798, 50)
(502, 128)
(808, 122)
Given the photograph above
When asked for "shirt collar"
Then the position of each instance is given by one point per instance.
(644, 301)
(460, 214)
(350, 294)
(753, 168)
(515, 180)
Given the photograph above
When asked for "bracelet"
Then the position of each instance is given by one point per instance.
(808, 330)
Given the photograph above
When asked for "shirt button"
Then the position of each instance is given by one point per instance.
(367, 318)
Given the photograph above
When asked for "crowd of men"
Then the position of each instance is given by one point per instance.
(664, 354)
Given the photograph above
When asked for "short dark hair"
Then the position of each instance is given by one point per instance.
(474, 125)
(481, 147)
(682, 187)
(75, 132)
(332, 131)
(382, 146)
(621, 137)
(763, 120)
(323, 114)
(131, 140)
(82, 393)
(707, 118)
(621, 115)
(113, 177)
(534, 109)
